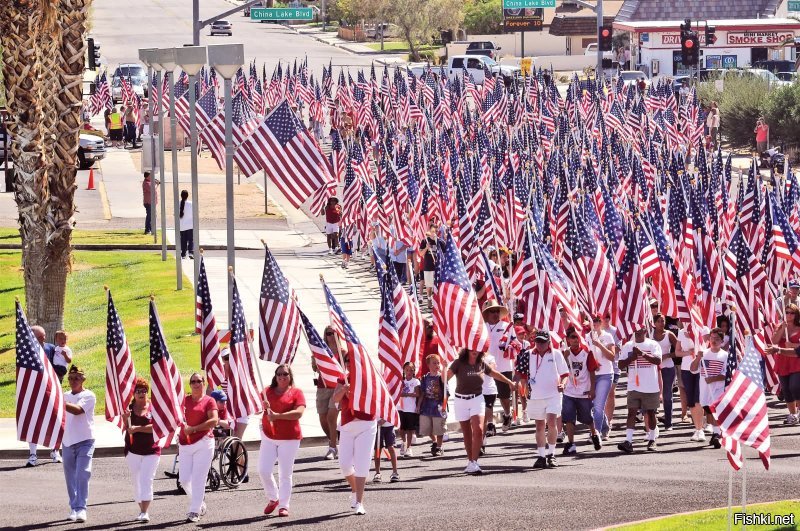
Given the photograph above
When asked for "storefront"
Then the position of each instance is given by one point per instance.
(740, 43)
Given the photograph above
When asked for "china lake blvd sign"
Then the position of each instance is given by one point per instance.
(281, 13)
(528, 4)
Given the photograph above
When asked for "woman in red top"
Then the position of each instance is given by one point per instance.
(787, 364)
(141, 450)
(333, 215)
(284, 404)
(196, 445)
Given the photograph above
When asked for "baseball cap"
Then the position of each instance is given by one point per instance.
(542, 336)
(219, 395)
(794, 283)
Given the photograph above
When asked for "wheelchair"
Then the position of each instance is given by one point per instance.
(228, 466)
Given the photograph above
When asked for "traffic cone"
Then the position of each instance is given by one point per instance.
(90, 186)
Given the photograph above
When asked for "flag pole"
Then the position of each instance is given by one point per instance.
(744, 491)
(730, 497)
(249, 341)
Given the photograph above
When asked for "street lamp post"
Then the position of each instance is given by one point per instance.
(166, 58)
(155, 120)
(191, 59)
(146, 55)
(227, 59)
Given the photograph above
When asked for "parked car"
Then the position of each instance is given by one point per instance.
(775, 65)
(135, 73)
(630, 77)
(790, 77)
(474, 65)
(222, 27)
(768, 76)
(91, 148)
(591, 49)
(487, 48)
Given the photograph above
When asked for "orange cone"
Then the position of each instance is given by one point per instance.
(90, 186)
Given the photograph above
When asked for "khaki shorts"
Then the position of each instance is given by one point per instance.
(431, 426)
(324, 400)
(645, 401)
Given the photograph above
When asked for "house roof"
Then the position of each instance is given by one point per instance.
(660, 10)
(759, 24)
(569, 25)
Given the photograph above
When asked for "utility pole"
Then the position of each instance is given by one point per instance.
(599, 10)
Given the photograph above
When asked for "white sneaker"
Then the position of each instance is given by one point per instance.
(145, 517)
(446, 437)
(472, 467)
(330, 454)
(203, 509)
(353, 502)
(709, 429)
(330, 251)
(192, 517)
(360, 509)
(409, 453)
(72, 516)
(403, 450)
(695, 436)
(413, 439)
(525, 418)
(31, 460)
(80, 516)
(791, 420)
(701, 436)
(55, 456)
(477, 468)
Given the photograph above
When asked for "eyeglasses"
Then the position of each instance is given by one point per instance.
(329, 334)
(572, 337)
(281, 374)
(141, 391)
(195, 381)
(74, 378)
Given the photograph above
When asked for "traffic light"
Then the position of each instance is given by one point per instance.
(94, 53)
(711, 36)
(605, 35)
(690, 48)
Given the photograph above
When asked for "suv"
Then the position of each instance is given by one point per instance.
(91, 148)
(487, 48)
(222, 27)
(136, 73)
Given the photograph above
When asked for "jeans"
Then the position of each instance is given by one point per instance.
(284, 452)
(602, 386)
(193, 470)
(77, 472)
(668, 381)
(187, 242)
(130, 132)
(143, 470)
(401, 268)
(148, 209)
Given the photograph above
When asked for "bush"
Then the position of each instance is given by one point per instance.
(782, 112)
(740, 104)
(483, 17)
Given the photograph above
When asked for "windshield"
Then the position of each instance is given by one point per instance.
(132, 71)
(631, 76)
(489, 61)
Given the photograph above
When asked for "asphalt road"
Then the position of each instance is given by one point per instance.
(121, 31)
(591, 490)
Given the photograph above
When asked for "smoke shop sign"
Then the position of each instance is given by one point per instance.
(760, 38)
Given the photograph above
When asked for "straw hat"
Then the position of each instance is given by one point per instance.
(491, 305)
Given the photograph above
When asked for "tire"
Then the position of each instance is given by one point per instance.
(213, 479)
(233, 461)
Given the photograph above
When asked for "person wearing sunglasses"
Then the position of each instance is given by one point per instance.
(284, 404)
(785, 339)
(196, 444)
(142, 452)
(326, 408)
(78, 443)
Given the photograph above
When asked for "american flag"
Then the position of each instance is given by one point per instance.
(279, 317)
(741, 411)
(40, 400)
(328, 365)
(291, 157)
(101, 99)
(120, 373)
(369, 392)
(206, 326)
(243, 393)
(745, 277)
(455, 305)
(166, 384)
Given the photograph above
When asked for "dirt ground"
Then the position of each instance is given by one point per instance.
(248, 202)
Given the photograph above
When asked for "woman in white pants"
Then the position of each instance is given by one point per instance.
(356, 443)
(196, 445)
(141, 451)
(284, 404)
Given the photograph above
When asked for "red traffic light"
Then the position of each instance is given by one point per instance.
(605, 32)
(689, 43)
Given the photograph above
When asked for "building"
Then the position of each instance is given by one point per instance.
(578, 24)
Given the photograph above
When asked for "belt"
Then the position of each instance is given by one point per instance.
(465, 397)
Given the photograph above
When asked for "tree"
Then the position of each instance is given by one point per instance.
(421, 20)
(782, 113)
(43, 61)
(483, 16)
(740, 104)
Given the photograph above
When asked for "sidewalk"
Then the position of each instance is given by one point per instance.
(332, 39)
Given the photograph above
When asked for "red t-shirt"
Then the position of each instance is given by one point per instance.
(785, 365)
(333, 213)
(348, 414)
(196, 413)
(289, 400)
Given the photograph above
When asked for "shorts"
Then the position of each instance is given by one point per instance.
(431, 426)
(691, 387)
(539, 408)
(503, 389)
(61, 371)
(580, 408)
(489, 400)
(409, 421)
(244, 421)
(427, 276)
(386, 436)
(115, 134)
(325, 400)
(707, 410)
(466, 409)
(646, 401)
(331, 228)
(790, 385)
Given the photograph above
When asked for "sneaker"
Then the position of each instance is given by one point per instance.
(540, 462)
(605, 436)
(139, 517)
(439, 452)
(145, 517)
(55, 456)
(402, 449)
(651, 446)
(433, 449)
(360, 509)
(715, 442)
(708, 429)
(668, 428)
(191, 256)
(377, 478)
(330, 251)
(701, 436)
(506, 423)
(570, 449)
(31, 461)
(72, 516)
(482, 451)
(626, 446)
(695, 436)
(80, 516)
(551, 461)
(331, 453)
(561, 436)
(472, 468)
(271, 506)
(491, 431)
(283, 511)
(525, 418)
(791, 420)
(394, 478)
(409, 453)
(203, 509)
(477, 468)
(596, 442)
(192, 517)
(353, 502)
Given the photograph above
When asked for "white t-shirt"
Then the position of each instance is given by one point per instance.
(187, 219)
(580, 366)
(545, 373)
(686, 343)
(489, 383)
(606, 366)
(666, 346)
(712, 364)
(408, 404)
(642, 375)
(59, 358)
(500, 333)
(79, 427)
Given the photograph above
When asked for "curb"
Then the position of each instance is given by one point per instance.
(156, 247)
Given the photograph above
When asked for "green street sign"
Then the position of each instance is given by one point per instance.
(281, 13)
(528, 4)
(794, 6)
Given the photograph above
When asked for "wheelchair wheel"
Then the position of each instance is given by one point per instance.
(213, 479)
(232, 461)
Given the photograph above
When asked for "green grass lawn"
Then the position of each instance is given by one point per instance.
(718, 519)
(97, 237)
(132, 277)
(400, 46)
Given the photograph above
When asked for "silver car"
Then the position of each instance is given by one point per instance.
(222, 27)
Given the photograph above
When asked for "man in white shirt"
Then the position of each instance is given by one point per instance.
(501, 337)
(78, 442)
(641, 357)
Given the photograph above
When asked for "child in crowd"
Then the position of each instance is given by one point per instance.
(712, 379)
(386, 439)
(63, 355)
(432, 413)
(409, 418)
(346, 246)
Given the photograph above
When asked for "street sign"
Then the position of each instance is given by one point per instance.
(794, 6)
(281, 13)
(528, 4)
(522, 20)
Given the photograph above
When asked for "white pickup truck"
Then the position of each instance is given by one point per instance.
(474, 64)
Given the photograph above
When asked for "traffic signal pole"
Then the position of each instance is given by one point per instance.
(599, 11)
